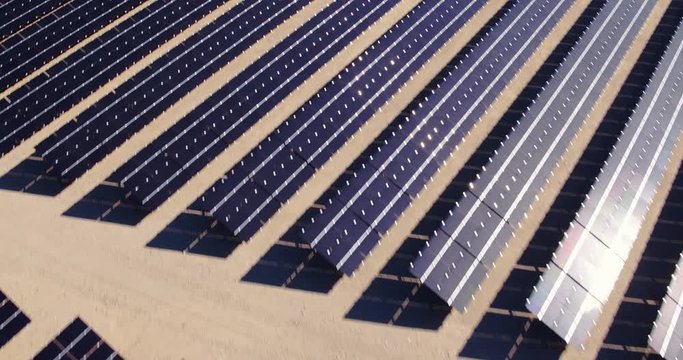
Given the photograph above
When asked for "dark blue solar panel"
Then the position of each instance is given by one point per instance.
(77, 341)
(377, 204)
(350, 231)
(12, 320)
(53, 35)
(254, 92)
(322, 126)
(154, 89)
(45, 98)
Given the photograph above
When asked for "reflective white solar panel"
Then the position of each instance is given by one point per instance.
(594, 250)
(667, 334)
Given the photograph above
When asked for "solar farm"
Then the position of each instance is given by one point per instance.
(347, 179)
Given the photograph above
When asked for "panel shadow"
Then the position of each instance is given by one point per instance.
(395, 297)
(108, 202)
(292, 264)
(33, 176)
(192, 232)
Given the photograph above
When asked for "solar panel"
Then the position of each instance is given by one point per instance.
(84, 141)
(15, 14)
(77, 341)
(44, 98)
(666, 337)
(51, 36)
(609, 221)
(414, 152)
(167, 163)
(12, 319)
(517, 173)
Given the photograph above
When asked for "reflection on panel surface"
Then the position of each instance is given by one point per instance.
(594, 250)
(497, 202)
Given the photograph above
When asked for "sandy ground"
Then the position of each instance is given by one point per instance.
(148, 303)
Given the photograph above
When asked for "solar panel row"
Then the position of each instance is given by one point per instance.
(398, 170)
(458, 258)
(44, 98)
(168, 162)
(77, 341)
(631, 323)
(15, 14)
(569, 296)
(268, 176)
(84, 141)
(53, 35)
(12, 320)
(666, 337)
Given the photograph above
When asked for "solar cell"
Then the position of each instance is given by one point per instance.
(44, 98)
(609, 221)
(413, 153)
